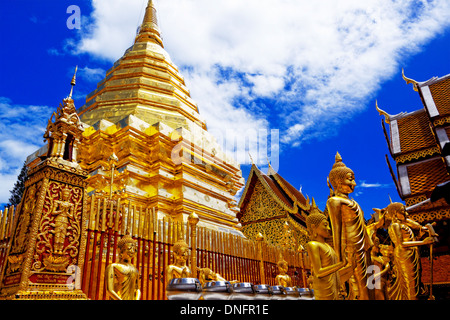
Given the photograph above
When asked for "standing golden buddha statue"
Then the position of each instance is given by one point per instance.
(382, 263)
(406, 253)
(122, 278)
(324, 262)
(178, 269)
(350, 238)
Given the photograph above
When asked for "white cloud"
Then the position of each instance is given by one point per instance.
(8, 181)
(92, 74)
(364, 184)
(313, 62)
(21, 131)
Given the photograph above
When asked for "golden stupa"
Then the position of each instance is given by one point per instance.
(142, 113)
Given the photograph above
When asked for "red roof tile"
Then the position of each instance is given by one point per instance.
(424, 176)
(441, 96)
(415, 132)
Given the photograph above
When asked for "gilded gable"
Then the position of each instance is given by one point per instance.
(261, 206)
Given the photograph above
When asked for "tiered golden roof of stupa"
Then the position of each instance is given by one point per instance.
(144, 83)
(142, 113)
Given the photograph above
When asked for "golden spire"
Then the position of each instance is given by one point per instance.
(149, 30)
(73, 82)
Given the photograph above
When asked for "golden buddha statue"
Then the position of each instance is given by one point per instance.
(282, 278)
(382, 262)
(63, 211)
(178, 269)
(406, 253)
(350, 238)
(324, 262)
(207, 275)
(122, 278)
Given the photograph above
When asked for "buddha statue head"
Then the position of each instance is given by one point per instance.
(317, 224)
(127, 248)
(282, 266)
(180, 252)
(396, 210)
(341, 177)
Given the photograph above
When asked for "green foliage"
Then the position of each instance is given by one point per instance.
(19, 187)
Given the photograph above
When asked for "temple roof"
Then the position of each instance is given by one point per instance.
(417, 141)
(424, 132)
(415, 132)
(281, 191)
(423, 176)
(440, 91)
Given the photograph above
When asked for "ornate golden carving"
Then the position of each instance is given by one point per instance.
(411, 201)
(442, 121)
(417, 155)
(432, 215)
(23, 227)
(59, 233)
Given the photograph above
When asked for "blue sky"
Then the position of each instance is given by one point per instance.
(309, 71)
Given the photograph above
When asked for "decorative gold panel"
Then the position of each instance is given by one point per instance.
(264, 215)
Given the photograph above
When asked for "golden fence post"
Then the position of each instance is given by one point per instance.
(301, 250)
(3, 223)
(12, 211)
(193, 220)
(260, 239)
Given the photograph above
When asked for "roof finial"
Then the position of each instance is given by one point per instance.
(387, 116)
(149, 30)
(408, 81)
(73, 82)
(251, 159)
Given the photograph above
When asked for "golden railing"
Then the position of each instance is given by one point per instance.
(231, 255)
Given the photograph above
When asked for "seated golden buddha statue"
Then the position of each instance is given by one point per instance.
(207, 275)
(122, 278)
(324, 262)
(282, 278)
(350, 237)
(179, 269)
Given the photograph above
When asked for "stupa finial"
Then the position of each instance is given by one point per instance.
(149, 30)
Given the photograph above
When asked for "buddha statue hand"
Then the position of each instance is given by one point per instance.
(185, 272)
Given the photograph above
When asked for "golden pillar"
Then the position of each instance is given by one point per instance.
(260, 239)
(193, 221)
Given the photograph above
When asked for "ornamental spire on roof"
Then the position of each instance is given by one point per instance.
(149, 30)
(73, 82)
